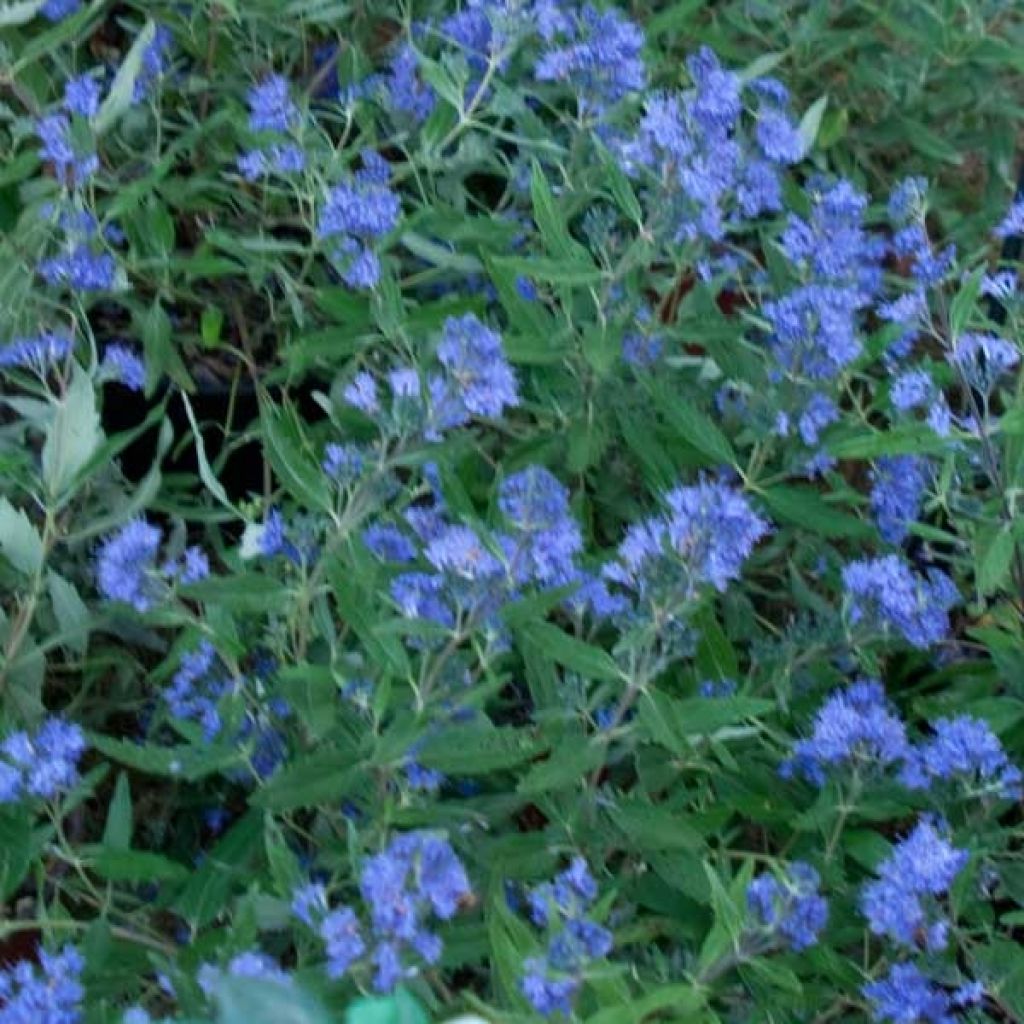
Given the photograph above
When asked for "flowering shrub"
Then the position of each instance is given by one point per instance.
(492, 522)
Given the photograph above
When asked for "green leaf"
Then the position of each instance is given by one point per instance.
(321, 777)
(670, 721)
(116, 864)
(553, 230)
(567, 767)
(695, 428)
(550, 271)
(590, 662)
(73, 435)
(242, 591)
(811, 122)
(291, 457)
(70, 611)
(993, 557)
(355, 607)
(117, 833)
(965, 302)
(399, 1008)
(804, 507)
(122, 91)
(19, 13)
(684, 1002)
(206, 473)
(902, 440)
(263, 1001)
(205, 895)
(650, 827)
(20, 542)
(477, 750)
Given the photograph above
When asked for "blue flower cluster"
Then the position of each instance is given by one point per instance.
(902, 903)
(707, 170)
(887, 592)
(250, 964)
(702, 539)
(357, 212)
(599, 52)
(47, 994)
(127, 569)
(963, 748)
(272, 113)
(41, 764)
(854, 726)
(476, 381)
(124, 365)
(417, 876)
(899, 482)
(37, 354)
(562, 907)
(791, 907)
(906, 996)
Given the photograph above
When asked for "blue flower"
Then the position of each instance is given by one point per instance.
(126, 565)
(963, 748)
(270, 106)
(550, 982)
(792, 907)
(602, 59)
(886, 590)
(36, 353)
(389, 544)
(483, 382)
(250, 964)
(43, 764)
(343, 940)
(193, 694)
(906, 996)
(706, 534)
(983, 359)
(853, 725)
(898, 485)
(907, 199)
(74, 165)
(361, 394)
(49, 993)
(356, 212)
(407, 93)
(342, 462)
(82, 269)
(902, 903)
(153, 63)
(125, 366)
(778, 137)
(1013, 222)
(819, 412)
(82, 96)
(545, 535)
(56, 10)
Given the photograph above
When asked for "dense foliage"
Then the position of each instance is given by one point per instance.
(510, 509)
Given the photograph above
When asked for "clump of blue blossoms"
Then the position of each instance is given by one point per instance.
(903, 903)
(599, 52)
(963, 749)
(855, 727)
(887, 592)
(42, 764)
(124, 365)
(575, 940)
(48, 994)
(127, 569)
(357, 213)
(250, 964)
(703, 537)
(899, 483)
(418, 876)
(906, 996)
(273, 114)
(791, 908)
(38, 354)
